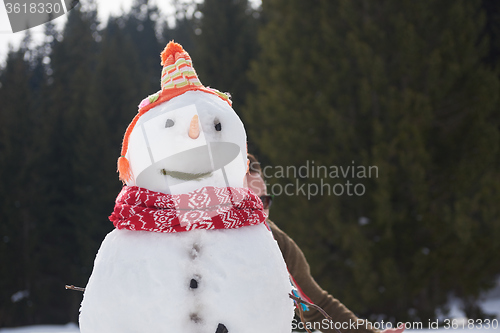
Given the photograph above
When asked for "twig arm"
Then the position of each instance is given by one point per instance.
(72, 287)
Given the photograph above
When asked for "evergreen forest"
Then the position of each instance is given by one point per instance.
(409, 88)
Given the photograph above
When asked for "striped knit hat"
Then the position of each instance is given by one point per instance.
(177, 77)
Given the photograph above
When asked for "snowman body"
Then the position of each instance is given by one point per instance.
(213, 281)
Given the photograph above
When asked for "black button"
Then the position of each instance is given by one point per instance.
(221, 329)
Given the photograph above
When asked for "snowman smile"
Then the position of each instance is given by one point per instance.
(185, 175)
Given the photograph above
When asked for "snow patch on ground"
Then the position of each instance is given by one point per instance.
(69, 328)
(490, 305)
(456, 316)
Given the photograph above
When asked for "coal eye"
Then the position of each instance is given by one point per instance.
(169, 123)
(218, 126)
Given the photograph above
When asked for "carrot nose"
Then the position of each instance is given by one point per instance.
(194, 128)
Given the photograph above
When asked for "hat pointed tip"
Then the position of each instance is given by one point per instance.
(170, 50)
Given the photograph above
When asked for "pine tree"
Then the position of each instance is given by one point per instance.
(72, 63)
(20, 94)
(182, 32)
(14, 96)
(140, 27)
(226, 42)
(400, 86)
(111, 104)
(65, 107)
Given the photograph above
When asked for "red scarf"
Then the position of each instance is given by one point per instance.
(205, 208)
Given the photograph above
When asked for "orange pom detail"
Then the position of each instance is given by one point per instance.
(170, 50)
(124, 169)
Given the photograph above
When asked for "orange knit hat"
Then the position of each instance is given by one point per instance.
(178, 76)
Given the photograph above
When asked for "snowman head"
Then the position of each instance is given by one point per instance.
(184, 137)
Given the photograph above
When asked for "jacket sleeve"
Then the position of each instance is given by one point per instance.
(298, 267)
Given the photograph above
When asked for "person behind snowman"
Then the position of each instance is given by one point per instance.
(301, 273)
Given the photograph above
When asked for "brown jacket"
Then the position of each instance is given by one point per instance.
(298, 267)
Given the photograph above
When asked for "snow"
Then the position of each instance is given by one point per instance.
(142, 280)
(231, 265)
(21, 294)
(490, 305)
(69, 328)
(148, 153)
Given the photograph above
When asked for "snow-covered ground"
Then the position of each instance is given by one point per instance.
(69, 328)
(457, 321)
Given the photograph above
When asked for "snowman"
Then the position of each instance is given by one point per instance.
(191, 251)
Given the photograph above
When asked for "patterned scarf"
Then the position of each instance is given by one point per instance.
(205, 208)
